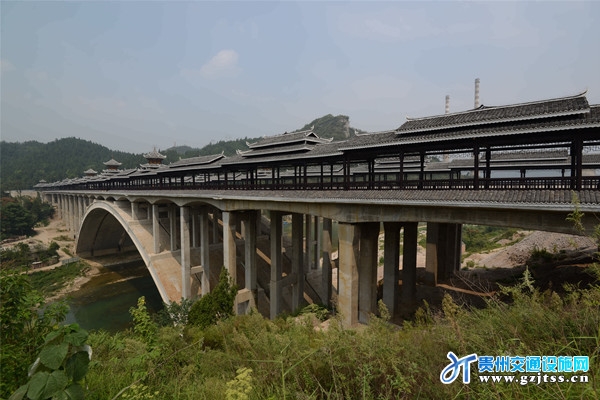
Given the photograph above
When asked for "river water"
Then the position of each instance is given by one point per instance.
(103, 303)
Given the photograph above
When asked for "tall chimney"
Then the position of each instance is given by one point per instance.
(447, 103)
(477, 93)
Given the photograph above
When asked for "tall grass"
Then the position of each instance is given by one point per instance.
(290, 359)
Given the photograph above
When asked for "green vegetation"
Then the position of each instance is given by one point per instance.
(254, 358)
(25, 164)
(60, 367)
(479, 238)
(216, 305)
(49, 282)
(19, 215)
(207, 353)
(288, 358)
(25, 321)
(21, 255)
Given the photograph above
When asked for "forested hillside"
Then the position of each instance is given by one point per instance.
(24, 164)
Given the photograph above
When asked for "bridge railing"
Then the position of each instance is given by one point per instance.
(358, 182)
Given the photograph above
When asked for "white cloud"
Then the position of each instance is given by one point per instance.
(224, 63)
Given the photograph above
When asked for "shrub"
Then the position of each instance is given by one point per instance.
(59, 368)
(216, 305)
(25, 321)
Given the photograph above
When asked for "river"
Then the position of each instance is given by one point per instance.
(103, 303)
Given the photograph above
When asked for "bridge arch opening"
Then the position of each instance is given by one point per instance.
(102, 234)
(107, 230)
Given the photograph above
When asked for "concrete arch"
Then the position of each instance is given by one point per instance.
(109, 229)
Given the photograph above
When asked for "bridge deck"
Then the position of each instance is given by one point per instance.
(589, 199)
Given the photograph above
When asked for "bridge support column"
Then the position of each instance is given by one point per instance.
(318, 240)
(80, 212)
(443, 250)
(204, 251)
(312, 242)
(357, 271)
(194, 219)
(75, 215)
(229, 250)
(184, 216)
(275, 297)
(308, 235)
(155, 229)
(326, 274)
(172, 227)
(409, 262)
(367, 271)
(59, 206)
(135, 208)
(71, 213)
(215, 226)
(247, 298)
(391, 265)
(349, 235)
(297, 262)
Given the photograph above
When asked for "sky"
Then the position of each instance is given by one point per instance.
(135, 75)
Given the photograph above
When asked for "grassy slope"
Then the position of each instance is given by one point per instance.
(290, 359)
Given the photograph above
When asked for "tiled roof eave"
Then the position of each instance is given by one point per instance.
(196, 161)
(262, 153)
(250, 161)
(401, 131)
(404, 141)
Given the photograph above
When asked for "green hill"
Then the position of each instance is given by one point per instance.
(25, 164)
(22, 165)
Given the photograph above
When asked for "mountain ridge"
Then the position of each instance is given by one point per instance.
(24, 164)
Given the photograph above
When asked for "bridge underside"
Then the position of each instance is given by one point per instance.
(102, 234)
(186, 237)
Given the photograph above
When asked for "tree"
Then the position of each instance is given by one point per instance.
(216, 305)
(16, 220)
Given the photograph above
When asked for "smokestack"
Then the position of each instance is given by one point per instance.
(477, 93)
(447, 104)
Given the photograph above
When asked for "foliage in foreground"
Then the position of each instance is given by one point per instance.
(60, 367)
(251, 357)
(254, 358)
(25, 321)
(216, 305)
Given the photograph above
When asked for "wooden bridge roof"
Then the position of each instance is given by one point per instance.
(286, 138)
(485, 115)
(427, 135)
